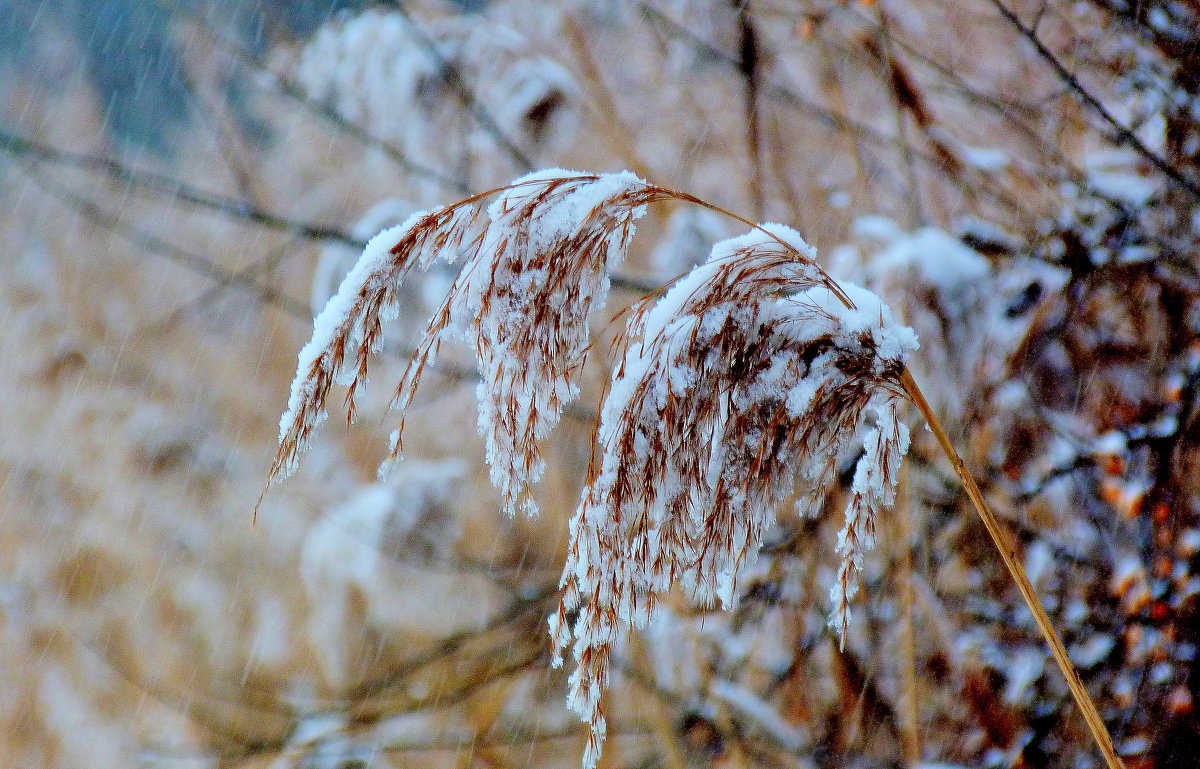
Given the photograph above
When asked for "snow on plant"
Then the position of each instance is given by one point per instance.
(419, 294)
(530, 278)
(533, 99)
(751, 372)
(941, 287)
(362, 554)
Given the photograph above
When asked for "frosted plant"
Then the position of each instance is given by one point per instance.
(415, 298)
(336, 259)
(942, 288)
(364, 553)
(751, 372)
(530, 277)
(371, 70)
(533, 100)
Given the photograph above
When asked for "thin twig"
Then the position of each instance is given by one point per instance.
(235, 209)
(831, 119)
(916, 211)
(750, 66)
(176, 189)
(214, 112)
(453, 79)
(1124, 134)
(610, 122)
(263, 266)
(910, 726)
(517, 611)
(1011, 562)
(156, 245)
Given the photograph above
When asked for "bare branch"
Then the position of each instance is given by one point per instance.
(453, 78)
(175, 189)
(1124, 135)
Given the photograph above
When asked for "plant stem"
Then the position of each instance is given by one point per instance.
(1017, 571)
(910, 723)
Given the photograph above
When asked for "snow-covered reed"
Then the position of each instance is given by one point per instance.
(752, 372)
(534, 263)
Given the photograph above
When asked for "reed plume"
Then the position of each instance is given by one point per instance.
(752, 372)
(535, 262)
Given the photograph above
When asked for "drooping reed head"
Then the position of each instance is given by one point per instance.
(752, 373)
(535, 262)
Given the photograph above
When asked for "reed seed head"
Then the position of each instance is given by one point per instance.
(749, 376)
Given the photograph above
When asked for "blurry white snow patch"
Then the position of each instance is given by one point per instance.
(934, 283)
(83, 737)
(396, 78)
(372, 564)
(674, 646)
(1092, 651)
(982, 233)
(1115, 174)
(762, 714)
(1039, 564)
(537, 103)
(691, 233)
(320, 741)
(1023, 669)
(984, 158)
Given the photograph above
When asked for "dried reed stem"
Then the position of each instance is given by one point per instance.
(673, 754)
(916, 212)
(601, 99)
(1017, 571)
(910, 724)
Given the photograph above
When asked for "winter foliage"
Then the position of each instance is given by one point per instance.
(525, 290)
(750, 371)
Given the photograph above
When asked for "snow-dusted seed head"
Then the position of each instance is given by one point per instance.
(352, 320)
(753, 370)
(534, 263)
(543, 263)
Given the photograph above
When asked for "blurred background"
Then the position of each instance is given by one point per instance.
(184, 182)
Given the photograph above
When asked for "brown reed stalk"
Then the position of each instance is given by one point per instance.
(910, 725)
(1013, 563)
(753, 370)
